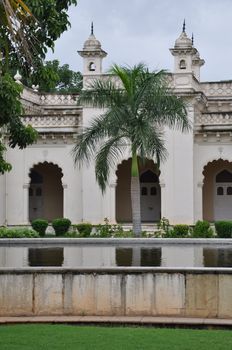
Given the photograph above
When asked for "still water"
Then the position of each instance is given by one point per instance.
(111, 256)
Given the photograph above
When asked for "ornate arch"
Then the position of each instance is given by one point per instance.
(34, 164)
(143, 170)
(213, 161)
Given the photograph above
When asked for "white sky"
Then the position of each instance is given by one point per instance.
(133, 31)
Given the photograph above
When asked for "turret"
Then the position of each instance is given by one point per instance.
(93, 55)
(186, 57)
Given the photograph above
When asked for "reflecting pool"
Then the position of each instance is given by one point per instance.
(189, 255)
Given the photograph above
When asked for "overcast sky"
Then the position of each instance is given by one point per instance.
(133, 31)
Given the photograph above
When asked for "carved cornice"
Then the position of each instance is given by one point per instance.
(206, 119)
(52, 121)
(217, 89)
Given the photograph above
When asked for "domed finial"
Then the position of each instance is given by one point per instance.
(183, 29)
(192, 39)
(92, 28)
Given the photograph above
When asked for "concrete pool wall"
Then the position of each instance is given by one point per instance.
(197, 292)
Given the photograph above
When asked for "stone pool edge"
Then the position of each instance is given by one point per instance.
(128, 320)
(114, 241)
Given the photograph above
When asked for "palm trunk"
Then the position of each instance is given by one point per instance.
(135, 196)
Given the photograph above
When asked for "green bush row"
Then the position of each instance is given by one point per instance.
(61, 226)
(17, 233)
(201, 229)
(224, 229)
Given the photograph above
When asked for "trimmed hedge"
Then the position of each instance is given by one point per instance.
(61, 226)
(40, 226)
(84, 229)
(224, 229)
(202, 229)
(17, 233)
(180, 230)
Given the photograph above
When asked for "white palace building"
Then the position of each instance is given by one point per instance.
(194, 183)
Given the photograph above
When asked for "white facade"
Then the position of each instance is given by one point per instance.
(194, 183)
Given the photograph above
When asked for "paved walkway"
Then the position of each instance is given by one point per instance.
(119, 320)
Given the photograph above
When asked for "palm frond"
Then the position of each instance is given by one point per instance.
(101, 94)
(14, 16)
(109, 155)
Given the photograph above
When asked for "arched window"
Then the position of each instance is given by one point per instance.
(36, 178)
(229, 191)
(148, 176)
(144, 191)
(220, 191)
(92, 67)
(224, 176)
(182, 64)
(153, 191)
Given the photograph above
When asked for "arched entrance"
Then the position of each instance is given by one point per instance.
(217, 191)
(45, 192)
(150, 192)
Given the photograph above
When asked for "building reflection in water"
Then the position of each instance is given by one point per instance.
(102, 256)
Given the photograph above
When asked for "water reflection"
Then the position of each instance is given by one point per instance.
(107, 255)
(218, 257)
(45, 256)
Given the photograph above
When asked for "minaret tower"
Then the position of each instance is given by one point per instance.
(92, 54)
(187, 58)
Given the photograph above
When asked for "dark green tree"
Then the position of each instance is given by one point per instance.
(51, 77)
(133, 116)
(27, 29)
(11, 124)
(39, 24)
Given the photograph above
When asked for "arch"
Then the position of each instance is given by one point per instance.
(148, 176)
(224, 176)
(33, 164)
(92, 67)
(183, 64)
(150, 191)
(45, 191)
(217, 200)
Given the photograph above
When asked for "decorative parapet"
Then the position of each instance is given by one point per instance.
(45, 99)
(52, 121)
(58, 100)
(213, 119)
(217, 89)
(89, 79)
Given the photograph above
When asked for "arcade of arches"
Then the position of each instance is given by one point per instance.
(45, 192)
(150, 192)
(217, 191)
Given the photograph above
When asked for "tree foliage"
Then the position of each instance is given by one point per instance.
(51, 77)
(134, 116)
(27, 29)
(11, 123)
(26, 42)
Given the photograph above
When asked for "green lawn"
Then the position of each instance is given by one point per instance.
(36, 337)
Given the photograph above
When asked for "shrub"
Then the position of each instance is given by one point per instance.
(40, 226)
(61, 226)
(180, 230)
(224, 229)
(202, 229)
(18, 233)
(84, 229)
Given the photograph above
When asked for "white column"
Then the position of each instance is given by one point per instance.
(65, 201)
(198, 201)
(26, 204)
(163, 199)
(113, 203)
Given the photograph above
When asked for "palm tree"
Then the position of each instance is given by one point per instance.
(136, 107)
(14, 16)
